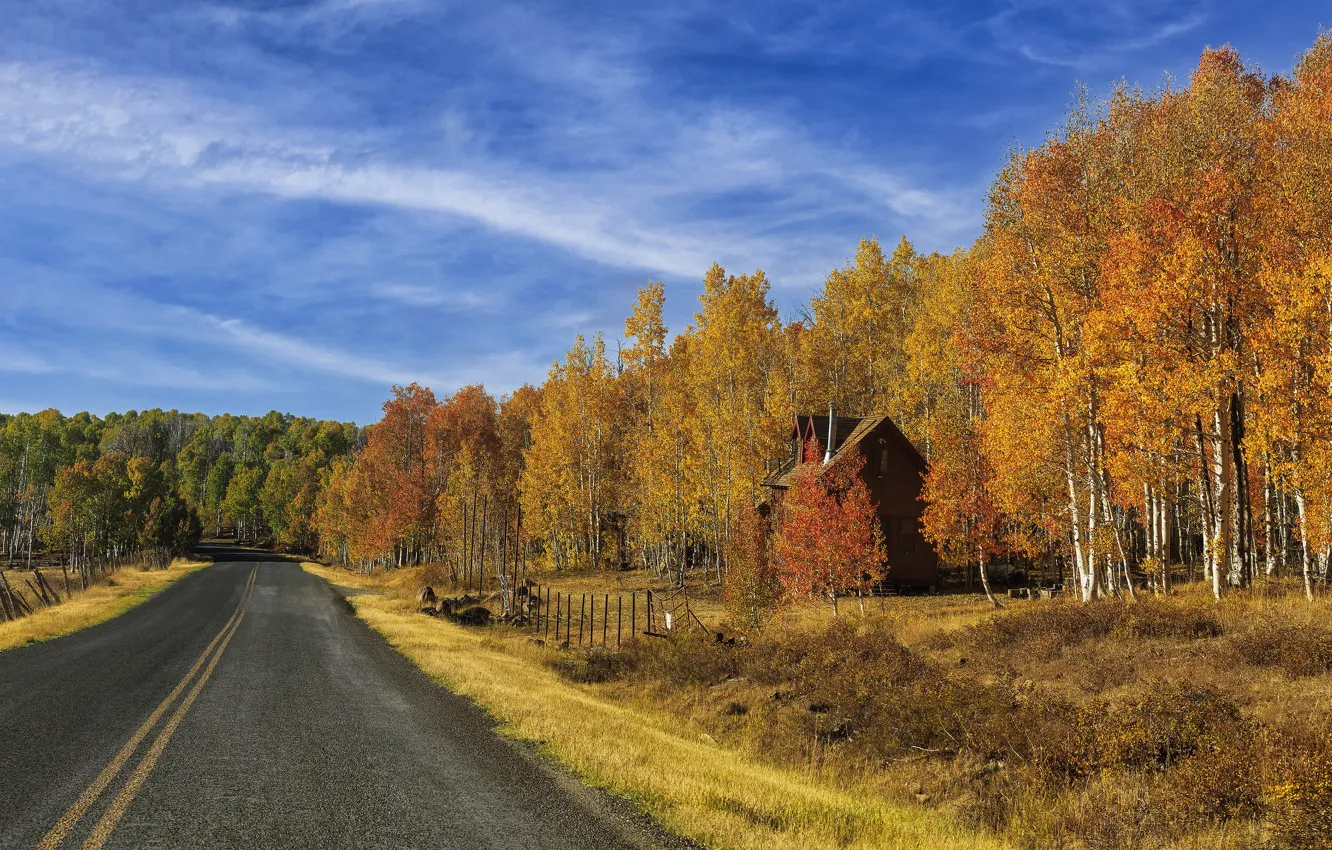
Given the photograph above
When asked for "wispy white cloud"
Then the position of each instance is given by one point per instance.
(634, 208)
(291, 350)
(1186, 24)
(127, 323)
(450, 299)
(127, 365)
(1085, 35)
(147, 343)
(15, 359)
(327, 20)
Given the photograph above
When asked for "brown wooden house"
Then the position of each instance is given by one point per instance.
(894, 473)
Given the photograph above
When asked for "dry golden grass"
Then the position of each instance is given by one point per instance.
(712, 794)
(128, 586)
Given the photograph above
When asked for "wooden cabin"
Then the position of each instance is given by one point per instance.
(894, 473)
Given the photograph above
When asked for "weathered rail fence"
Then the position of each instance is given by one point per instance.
(551, 616)
(15, 604)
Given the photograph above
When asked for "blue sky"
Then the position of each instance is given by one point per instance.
(238, 207)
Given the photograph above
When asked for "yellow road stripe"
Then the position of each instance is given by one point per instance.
(57, 834)
(102, 831)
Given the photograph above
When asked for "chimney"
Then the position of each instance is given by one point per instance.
(828, 450)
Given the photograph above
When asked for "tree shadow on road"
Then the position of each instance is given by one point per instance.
(217, 552)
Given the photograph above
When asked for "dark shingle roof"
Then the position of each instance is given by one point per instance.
(848, 433)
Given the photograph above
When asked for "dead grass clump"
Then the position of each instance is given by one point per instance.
(689, 660)
(591, 666)
(1114, 814)
(1296, 648)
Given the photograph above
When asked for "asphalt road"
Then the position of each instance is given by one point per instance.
(246, 707)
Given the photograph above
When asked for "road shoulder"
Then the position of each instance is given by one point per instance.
(128, 587)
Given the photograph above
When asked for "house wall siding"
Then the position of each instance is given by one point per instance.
(896, 488)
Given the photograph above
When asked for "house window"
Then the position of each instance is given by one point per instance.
(906, 541)
(883, 461)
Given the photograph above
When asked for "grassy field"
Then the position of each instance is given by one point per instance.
(108, 597)
(676, 772)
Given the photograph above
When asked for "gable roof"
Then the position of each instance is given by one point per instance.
(849, 432)
(816, 427)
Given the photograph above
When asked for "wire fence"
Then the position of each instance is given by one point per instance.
(597, 619)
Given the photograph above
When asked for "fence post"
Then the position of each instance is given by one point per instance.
(557, 616)
(633, 614)
(619, 619)
(605, 616)
(582, 617)
(547, 637)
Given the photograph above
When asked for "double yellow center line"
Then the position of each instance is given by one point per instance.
(116, 810)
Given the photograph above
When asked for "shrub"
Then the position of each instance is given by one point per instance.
(1152, 618)
(859, 682)
(687, 660)
(1220, 781)
(1298, 649)
(1171, 722)
(1302, 804)
(436, 575)
(850, 681)
(1164, 725)
(1045, 631)
(1042, 632)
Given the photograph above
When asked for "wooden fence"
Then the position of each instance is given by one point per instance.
(13, 603)
(551, 616)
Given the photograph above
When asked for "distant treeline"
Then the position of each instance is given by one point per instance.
(144, 486)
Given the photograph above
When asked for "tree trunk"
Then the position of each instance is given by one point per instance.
(1081, 568)
(983, 568)
(1306, 557)
(481, 564)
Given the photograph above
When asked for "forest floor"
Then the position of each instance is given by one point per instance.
(928, 721)
(106, 597)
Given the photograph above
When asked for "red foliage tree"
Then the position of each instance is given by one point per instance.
(391, 500)
(829, 541)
